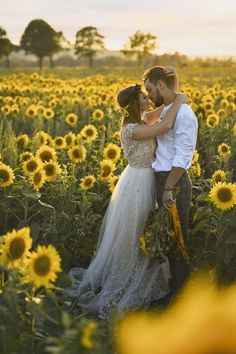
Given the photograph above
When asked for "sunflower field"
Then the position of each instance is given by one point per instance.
(60, 160)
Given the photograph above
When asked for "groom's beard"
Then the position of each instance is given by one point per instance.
(159, 100)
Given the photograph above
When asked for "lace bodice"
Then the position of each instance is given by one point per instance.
(140, 153)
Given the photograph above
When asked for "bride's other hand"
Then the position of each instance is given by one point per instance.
(181, 98)
(170, 71)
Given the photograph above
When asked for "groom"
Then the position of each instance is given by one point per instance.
(173, 158)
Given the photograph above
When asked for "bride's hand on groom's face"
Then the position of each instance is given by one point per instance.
(167, 199)
(170, 71)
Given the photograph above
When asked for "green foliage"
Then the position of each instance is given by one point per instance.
(41, 39)
(88, 42)
(141, 45)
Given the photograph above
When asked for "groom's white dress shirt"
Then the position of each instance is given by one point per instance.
(176, 146)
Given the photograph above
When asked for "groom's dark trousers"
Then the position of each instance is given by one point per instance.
(178, 267)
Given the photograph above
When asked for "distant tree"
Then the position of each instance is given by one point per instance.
(40, 39)
(6, 47)
(140, 45)
(88, 42)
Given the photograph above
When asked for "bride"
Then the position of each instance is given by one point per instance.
(119, 276)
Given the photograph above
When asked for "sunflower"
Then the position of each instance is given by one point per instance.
(89, 132)
(218, 176)
(69, 139)
(102, 128)
(195, 170)
(112, 152)
(71, 119)
(31, 111)
(113, 182)
(51, 169)
(38, 178)
(42, 266)
(15, 247)
(46, 153)
(224, 103)
(224, 150)
(208, 106)
(195, 157)
(87, 182)
(26, 156)
(59, 143)
(98, 114)
(31, 165)
(15, 109)
(48, 113)
(212, 120)
(86, 337)
(22, 140)
(6, 109)
(43, 138)
(77, 153)
(223, 195)
(6, 175)
(107, 167)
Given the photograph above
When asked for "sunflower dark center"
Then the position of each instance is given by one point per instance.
(4, 176)
(42, 265)
(77, 153)
(17, 248)
(106, 171)
(37, 178)
(224, 194)
(111, 153)
(50, 170)
(88, 181)
(31, 166)
(89, 132)
(46, 156)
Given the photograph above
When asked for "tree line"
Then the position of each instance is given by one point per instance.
(41, 40)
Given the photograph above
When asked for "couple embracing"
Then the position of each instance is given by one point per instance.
(159, 146)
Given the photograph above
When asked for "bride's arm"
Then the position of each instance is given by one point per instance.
(141, 132)
(152, 116)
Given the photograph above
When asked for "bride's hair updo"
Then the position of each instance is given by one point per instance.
(128, 100)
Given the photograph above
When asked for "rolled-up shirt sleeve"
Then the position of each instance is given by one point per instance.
(185, 134)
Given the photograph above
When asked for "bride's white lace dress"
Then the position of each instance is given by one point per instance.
(119, 276)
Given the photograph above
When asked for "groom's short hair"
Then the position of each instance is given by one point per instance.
(156, 73)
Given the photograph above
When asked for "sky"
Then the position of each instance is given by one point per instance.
(195, 28)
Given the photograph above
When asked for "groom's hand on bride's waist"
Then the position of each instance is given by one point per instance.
(167, 199)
